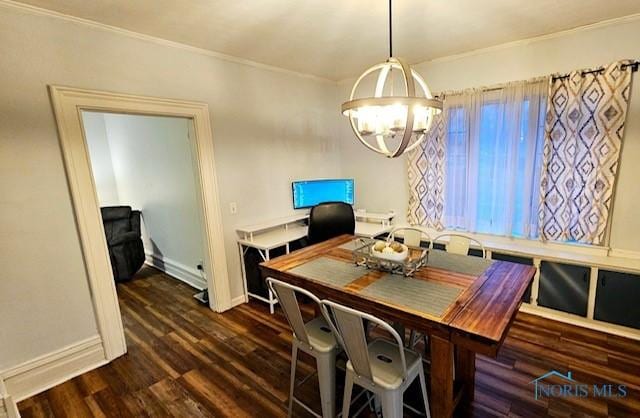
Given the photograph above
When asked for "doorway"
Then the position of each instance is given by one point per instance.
(145, 179)
(68, 105)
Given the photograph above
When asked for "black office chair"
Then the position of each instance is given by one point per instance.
(122, 230)
(330, 219)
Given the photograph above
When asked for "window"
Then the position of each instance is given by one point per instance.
(494, 145)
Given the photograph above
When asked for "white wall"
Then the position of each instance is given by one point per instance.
(382, 184)
(100, 153)
(268, 128)
(151, 169)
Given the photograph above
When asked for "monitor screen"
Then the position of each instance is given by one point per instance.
(308, 193)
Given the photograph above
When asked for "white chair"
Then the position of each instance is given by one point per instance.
(383, 367)
(459, 244)
(314, 338)
(411, 235)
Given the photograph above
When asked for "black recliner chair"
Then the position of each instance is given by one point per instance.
(124, 239)
(330, 219)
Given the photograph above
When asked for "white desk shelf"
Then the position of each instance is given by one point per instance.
(371, 224)
(274, 238)
(371, 230)
(373, 217)
(278, 233)
(248, 232)
(265, 237)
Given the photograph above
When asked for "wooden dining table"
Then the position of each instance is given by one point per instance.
(464, 304)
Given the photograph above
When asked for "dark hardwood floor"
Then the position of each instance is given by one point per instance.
(186, 361)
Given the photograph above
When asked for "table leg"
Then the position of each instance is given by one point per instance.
(271, 295)
(441, 396)
(466, 374)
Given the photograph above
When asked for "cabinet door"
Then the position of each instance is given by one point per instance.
(520, 260)
(617, 298)
(564, 287)
(475, 252)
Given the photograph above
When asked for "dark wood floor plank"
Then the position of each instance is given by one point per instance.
(108, 403)
(217, 392)
(186, 361)
(39, 409)
(67, 400)
(149, 351)
(178, 401)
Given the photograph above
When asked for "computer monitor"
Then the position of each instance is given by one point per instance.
(308, 193)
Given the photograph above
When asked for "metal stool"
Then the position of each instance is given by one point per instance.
(314, 338)
(383, 367)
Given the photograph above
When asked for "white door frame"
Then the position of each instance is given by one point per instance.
(68, 104)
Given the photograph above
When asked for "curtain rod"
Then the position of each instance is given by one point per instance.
(633, 65)
(484, 89)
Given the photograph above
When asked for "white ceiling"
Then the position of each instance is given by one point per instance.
(337, 39)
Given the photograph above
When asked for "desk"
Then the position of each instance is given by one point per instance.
(264, 237)
(371, 230)
(475, 318)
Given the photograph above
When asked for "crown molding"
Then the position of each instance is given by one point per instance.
(237, 60)
(535, 39)
(521, 42)
(34, 10)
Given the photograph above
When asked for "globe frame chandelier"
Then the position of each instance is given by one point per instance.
(393, 124)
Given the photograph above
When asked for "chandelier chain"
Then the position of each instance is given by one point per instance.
(390, 31)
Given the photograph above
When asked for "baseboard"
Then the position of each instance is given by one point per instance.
(8, 407)
(238, 300)
(179, 271)
(44, 372)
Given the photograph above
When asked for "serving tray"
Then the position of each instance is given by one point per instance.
(364, 256)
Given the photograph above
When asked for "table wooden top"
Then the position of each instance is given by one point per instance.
(478, 318)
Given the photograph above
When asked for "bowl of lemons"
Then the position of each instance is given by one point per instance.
(392, 251)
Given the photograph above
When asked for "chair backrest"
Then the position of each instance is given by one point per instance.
(135, 221)
(412, 235)
(330, 219)
(286, 295)
(459, 244)
(116, 220)
(348, 325)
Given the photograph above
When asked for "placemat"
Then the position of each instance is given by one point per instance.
(330, 271)
(420, 295)
(465, 264)
(355, 244)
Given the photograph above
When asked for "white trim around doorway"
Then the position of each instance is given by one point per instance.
(68, 104)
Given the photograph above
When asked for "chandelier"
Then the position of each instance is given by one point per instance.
(386, 122)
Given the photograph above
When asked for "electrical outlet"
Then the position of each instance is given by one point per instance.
(233, 208)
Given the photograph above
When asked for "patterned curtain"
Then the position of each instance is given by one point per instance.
(584, 129)
(426, 167)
